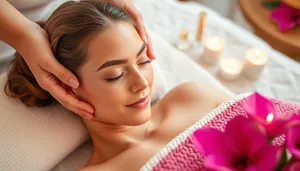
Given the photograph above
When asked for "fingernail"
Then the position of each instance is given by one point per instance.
(73, 83)
(145, 39)
(89, 110)
(153, 54)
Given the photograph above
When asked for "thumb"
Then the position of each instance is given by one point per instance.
(62, 73)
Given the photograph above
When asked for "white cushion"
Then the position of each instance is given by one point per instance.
(36, 138)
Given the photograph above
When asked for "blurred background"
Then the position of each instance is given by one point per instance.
(257, 16)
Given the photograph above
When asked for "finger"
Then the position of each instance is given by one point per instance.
(130, 8)
(141, 29)
(78, 111)
(150, 51)
(62, 73)
(59, 93)
(70, 100)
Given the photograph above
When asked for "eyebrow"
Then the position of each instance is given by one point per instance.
(120, 61)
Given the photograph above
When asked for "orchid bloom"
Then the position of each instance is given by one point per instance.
(293, 140)
(286, 16)
(242, 146)
(262, 110)
(293, 166)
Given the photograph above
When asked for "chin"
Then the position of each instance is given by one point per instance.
(140, 118)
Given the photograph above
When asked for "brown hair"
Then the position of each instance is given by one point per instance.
(70, 29)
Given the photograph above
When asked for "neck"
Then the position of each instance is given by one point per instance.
(110, 140)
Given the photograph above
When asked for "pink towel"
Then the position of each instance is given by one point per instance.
(181, 155)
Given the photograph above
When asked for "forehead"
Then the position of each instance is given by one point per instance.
(120, 40)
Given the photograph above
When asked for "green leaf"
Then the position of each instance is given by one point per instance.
(283, 159)
(271, 5)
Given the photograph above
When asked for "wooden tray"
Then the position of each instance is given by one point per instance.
(259, 17)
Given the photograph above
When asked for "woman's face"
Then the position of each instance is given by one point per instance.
(116, 75)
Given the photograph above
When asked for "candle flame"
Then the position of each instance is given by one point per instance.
(216, 40)
(214, 43)
(232, 63)
(257, 54)
(270, 117)
(184, 34)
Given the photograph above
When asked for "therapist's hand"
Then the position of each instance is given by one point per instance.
(49, 73)
(130, 8)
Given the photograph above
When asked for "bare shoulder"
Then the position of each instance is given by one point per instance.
(192, 93)
(185, 98)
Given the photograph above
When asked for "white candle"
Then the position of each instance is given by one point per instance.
(230, 68)
(213, 48)
(255, 62)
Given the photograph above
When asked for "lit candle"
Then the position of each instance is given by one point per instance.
(213, 48)
(230, 68)
(183, 43)
(255, 62)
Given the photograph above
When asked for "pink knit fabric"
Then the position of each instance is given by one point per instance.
(185, 157)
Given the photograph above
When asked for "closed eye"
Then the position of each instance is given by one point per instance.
(146, 62)
(118, 77)
(115, 78)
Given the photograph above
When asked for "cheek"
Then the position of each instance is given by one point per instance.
(106, 95)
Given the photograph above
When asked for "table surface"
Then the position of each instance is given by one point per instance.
(259, 18)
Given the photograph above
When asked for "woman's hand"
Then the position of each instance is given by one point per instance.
(130, 8)
(49, 73)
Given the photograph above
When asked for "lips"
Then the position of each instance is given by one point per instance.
(139, 101)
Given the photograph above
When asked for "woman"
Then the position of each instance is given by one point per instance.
(98, 42)
(26, 37)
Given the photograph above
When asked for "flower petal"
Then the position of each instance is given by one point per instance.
(283, 16)
(246, 136)
(276, 128)
(282, 13)
(259, 107)
(294, 166)
(284, 26)
(293, 140)
(207, 142)
(251, 168)
(294, 120)
(298, 14)
(267, 157)
(218, 163)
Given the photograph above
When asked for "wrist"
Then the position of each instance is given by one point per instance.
(13, 24)
(24, 37)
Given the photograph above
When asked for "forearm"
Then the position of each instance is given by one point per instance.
(13, 25)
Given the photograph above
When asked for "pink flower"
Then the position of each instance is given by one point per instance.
(262, 110)
(293, 140)
(293, 166)
(242, 146)
(286, 17)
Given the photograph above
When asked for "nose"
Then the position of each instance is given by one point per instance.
(139, 82)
